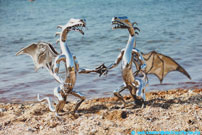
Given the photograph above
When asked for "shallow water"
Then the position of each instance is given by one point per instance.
(171, 27)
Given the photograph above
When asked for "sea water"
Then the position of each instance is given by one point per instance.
(170, 27)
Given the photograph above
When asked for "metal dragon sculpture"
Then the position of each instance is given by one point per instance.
(151, 63)
(44, 55)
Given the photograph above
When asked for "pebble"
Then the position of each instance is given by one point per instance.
(81, 133)
(2, 109)
(53, 124)
(8, 104)
(21, 106)
(93, 131)
(98, 123)
(92, 117)
(22, 118)
(115, 125)
(31, 129)
(190, 91)
(41, 127)
(6, 123)
(106, 128)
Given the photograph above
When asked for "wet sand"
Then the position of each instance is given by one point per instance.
(173, 110)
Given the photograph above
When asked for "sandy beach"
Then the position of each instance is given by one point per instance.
(173, 110)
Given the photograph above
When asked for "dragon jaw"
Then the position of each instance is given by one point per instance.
(72, 25)
(124, 23)
(120, 23)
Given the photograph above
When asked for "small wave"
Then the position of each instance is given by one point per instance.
(92, 91)
(163, 84)
(21, 40)
(3, 91)
(156, 41)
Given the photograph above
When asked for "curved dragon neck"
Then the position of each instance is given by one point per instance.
(127, 57)
(134, 45)
(131, 31)
(132, 34)
(63, 46)
(65, 51)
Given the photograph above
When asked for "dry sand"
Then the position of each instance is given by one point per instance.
(173, 110)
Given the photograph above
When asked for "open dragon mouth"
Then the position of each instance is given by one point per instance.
(120, 22)
(118, 25)
(78, 27)
(72, 25)
(124, 23)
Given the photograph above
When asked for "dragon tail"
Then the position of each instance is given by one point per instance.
(51, 108)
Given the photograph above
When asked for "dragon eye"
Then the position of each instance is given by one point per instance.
(83, 20)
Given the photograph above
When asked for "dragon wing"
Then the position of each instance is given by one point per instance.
(42, 54)
(160, 65)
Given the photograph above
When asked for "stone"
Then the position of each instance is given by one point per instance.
(31, 129)
(2, 109)
(93, 131)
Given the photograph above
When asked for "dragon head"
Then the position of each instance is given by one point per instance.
(72, 25)
(124, 23)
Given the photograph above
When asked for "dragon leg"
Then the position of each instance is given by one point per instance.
(58, 92)
(79, 95)
(117, 93)
(134, 90)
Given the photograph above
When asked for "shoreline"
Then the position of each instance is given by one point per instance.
(172, 110)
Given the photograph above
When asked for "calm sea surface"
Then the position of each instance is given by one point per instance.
(171, 27)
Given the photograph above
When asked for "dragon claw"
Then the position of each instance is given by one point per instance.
(57, 34)
(102, 69)
(136, 28)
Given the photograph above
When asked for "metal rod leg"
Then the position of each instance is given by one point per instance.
(117, 94)
(137, 101)
(79, 95)
(143, 96)
(61, 99)
(133, 92)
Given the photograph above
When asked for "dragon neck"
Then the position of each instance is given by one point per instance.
(64, 47)
(65, 51)
(131, 43)
(131, 31)
(63, 41)
(134, 45)
(132, 35)
(128, 50)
